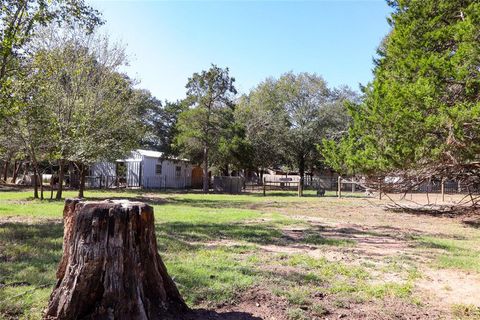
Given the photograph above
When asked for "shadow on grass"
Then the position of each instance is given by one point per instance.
(202, 314)
(30, 252)
(204, 232)
(29, 255)
(473, 223)
(184, 235)
(210, 203)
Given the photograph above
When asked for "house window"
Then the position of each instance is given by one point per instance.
(178, 171)
(158, 169)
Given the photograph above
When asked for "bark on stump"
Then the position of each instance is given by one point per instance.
(110, 267)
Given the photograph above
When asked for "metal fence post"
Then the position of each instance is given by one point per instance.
(264, 191)
(339, 186)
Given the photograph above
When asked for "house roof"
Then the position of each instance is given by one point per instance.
(154, 154)
(149, 153)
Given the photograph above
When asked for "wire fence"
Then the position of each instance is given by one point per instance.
(227, 184)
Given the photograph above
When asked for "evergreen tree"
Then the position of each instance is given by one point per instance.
(421, 114)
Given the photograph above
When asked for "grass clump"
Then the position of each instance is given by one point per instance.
(319, 310)
(462, 311)
(299, 296)
(296, 314)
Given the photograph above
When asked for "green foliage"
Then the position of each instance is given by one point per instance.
(286, 118)
(160, 122)
(209, 119)
(422, 108)
(261, 114)
(20, 19)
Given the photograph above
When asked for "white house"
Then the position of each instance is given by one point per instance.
(147, 169)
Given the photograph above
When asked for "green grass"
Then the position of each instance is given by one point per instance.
(454, 253)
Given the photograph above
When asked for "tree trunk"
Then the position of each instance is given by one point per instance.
(61, 173)
(206, 180)
(301, 171)
(35, 179)
(5, 171)
(110, 268)
(51, 187)
(81, 186)
(16, 168)
(41, 186)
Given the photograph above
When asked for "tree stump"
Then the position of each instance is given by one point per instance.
(110, 267)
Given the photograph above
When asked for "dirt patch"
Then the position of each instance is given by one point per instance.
(258, 302)
(389, 308)
(448, 287)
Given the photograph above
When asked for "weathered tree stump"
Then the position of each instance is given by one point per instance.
(110, 267)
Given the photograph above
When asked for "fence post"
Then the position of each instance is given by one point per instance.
(443, 189)
(339, 186)
(264, 191)
(380, 191)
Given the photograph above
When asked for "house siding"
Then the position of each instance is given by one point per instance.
(168, 178)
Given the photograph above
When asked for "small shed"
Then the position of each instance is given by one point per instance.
(149, 169)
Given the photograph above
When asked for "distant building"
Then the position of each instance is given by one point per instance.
(144, 168)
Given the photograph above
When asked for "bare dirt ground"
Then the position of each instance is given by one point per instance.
(378, 237)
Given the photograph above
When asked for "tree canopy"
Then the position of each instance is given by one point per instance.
(420, 114)
(19, 21)
(286, 118)
(210, 97)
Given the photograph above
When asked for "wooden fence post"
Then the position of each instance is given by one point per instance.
(339, 187)
(443, 189)
(380, 191)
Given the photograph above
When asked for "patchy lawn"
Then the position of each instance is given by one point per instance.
(275, 257)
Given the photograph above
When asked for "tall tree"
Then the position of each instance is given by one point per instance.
(88, 102)
(421, 114)
(20, 19)
(210, 96)
(287, 118)
(265, 123)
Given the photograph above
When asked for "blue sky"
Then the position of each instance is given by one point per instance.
(169, 40)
